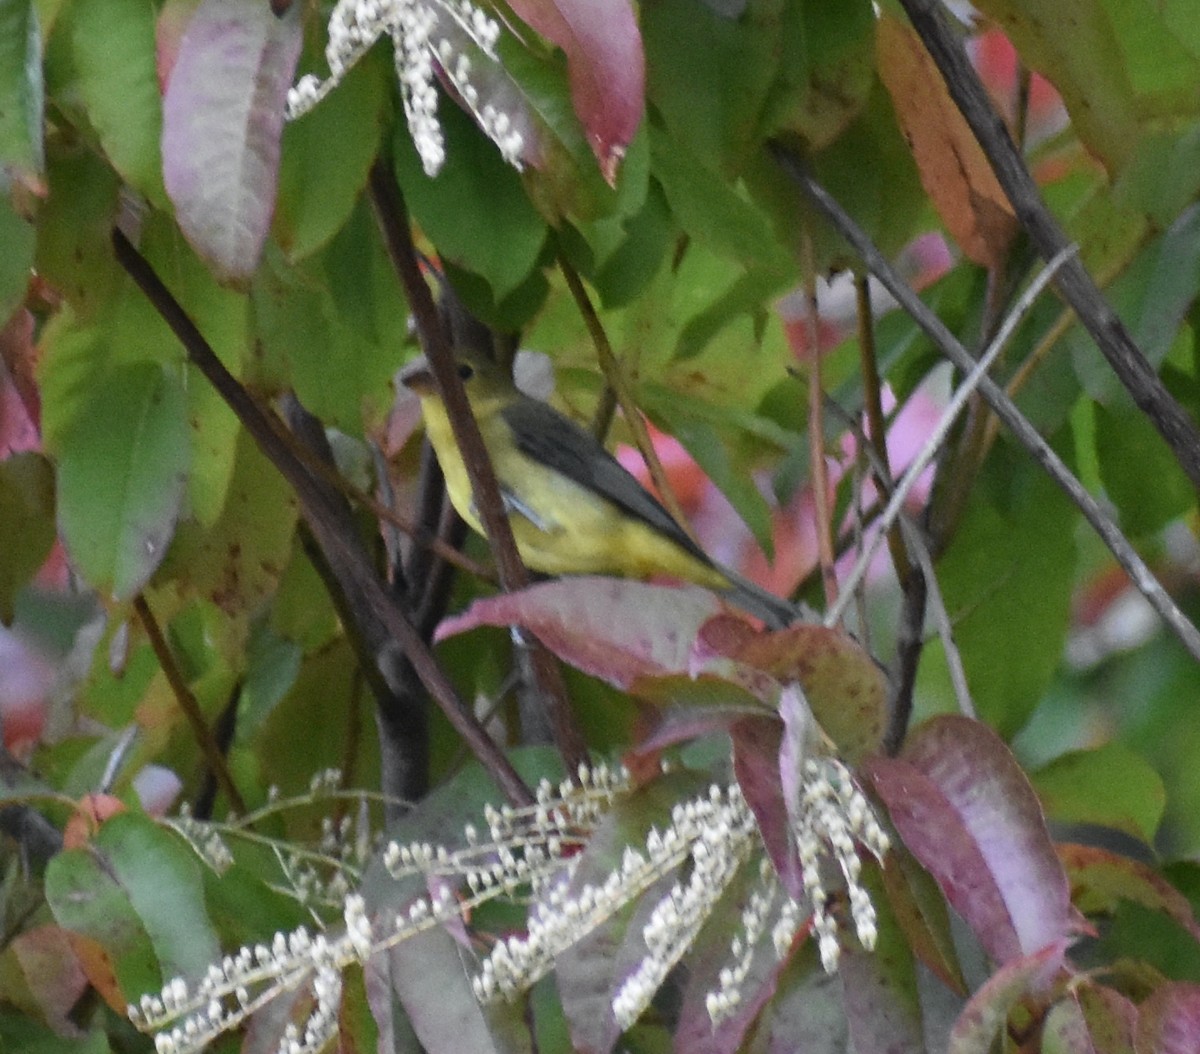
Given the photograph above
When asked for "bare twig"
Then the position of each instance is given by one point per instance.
(1004, 408)
(935, 439)
(188, 704)
(873, 403)
(1074, 282)
(614, 375)
(817, 465)
(941, 617)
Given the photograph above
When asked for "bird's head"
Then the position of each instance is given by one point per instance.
(483, 380)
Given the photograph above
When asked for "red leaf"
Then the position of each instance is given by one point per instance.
(610, 628)
(966, 811)
(842, 683)
(605, 64)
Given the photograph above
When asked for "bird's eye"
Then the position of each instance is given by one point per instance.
(466, 371)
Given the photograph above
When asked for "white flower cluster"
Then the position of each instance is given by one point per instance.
(423, 32)
(534, 853)
(240, 984)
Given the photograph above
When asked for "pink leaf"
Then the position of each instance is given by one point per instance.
(222, 121)
(610, 628)
(967, 812)
(605, 64)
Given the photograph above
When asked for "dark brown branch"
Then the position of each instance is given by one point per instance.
(347, 560)
(189, 705)
(1000, 403)
(393, 221)
(1073, 281)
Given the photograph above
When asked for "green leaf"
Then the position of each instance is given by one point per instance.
(136, 890)
(326, 157)
(123, 462)
(26, 523)
(475, 211)
(16, 260)
(636, 260)
(337, 373)
(826, 70)
(1139, 472)
(1007, 581)
(1110, 786)
(114, 53)
(74, 232)
(710, 209)
(1118, 68)
(709, 76)
(237, 561)
(21, 89)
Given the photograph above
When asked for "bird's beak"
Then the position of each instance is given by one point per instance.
(418, 377)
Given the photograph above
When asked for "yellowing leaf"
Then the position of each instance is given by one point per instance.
(954, 171)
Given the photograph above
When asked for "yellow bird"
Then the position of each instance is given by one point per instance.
(572, 507)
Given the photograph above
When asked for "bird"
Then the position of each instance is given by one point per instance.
(573, 508)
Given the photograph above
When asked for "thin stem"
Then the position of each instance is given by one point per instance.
(1004, 408)
(189, 705)
(614, 375)
(937, 437)
(873, 401)
(818, 467)
(393, 220)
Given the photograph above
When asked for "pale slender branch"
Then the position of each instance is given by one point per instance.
(941, 617)
(933, 442)
(817, 465)
(1074, 282)
(1004, 408)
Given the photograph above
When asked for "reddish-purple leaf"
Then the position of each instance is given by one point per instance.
(610, 628)
(605, 64)
(756, 745)
(1169, 1021)
(985, 1014)
(842, 683)
(967, 812)
(708, 956)
(222, 121)
(592, 970)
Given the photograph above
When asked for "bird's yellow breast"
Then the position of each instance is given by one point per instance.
(560, 526)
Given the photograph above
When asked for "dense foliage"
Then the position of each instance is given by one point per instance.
(242, 635)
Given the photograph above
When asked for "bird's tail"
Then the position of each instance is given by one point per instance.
(773, 610)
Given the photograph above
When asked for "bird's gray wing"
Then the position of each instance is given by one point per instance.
(557, 442)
